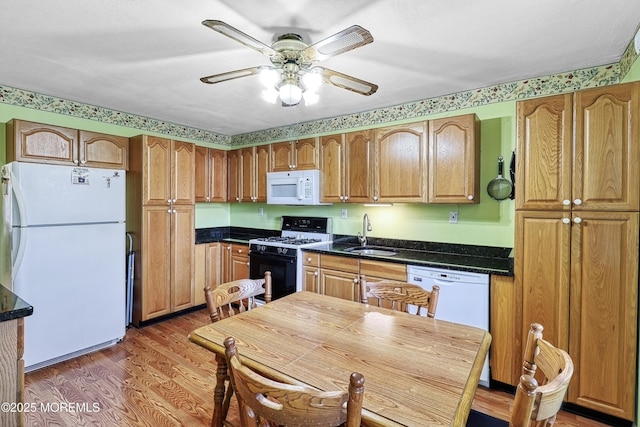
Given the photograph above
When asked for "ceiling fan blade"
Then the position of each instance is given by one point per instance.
(239, 36)
(344, 41)
(230, 75)
(347, 82)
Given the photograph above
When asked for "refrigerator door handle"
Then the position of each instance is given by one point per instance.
(22, 240)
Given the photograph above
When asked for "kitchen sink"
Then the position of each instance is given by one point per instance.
(372, 250)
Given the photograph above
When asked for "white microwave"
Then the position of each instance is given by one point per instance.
(294, 188)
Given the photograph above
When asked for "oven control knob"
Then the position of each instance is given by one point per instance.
(283, 251)
(262, 248)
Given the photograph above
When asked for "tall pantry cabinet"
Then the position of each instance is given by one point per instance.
(160, 216)
(576, 248)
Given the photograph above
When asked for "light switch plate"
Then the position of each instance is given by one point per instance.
(344, 214)
(453, 217)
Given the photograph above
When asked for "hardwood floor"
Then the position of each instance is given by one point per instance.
(156, 377)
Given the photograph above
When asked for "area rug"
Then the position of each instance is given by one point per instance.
(478, 419)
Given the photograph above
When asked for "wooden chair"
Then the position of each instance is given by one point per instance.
(264, 402)
(219, 300)
(538, 405)
(399, 295)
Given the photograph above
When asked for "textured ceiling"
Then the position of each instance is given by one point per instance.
(145, 57)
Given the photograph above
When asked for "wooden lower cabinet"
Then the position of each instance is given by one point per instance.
(504, 325)
(234, 261)
(339, 277)
(12, 371)
(578, 274)
(166, 268)
(207, 269)
(311, 272)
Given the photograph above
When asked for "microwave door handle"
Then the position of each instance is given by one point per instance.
(300, 188)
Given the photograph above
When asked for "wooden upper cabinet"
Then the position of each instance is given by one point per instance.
(345, 163)
(210, 175)
(103, 151)
(169, 167)
(332, 167)
(40, 143)
(295, 155)
(262, 160)
(248, 174)
(454, 160)
(234, 180)
(543, 160)
(593, 167)
(201, 178)
(358, 166)
(400, 163)
(606, 156)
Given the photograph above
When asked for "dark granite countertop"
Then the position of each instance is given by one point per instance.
(472, 258)
(12, 306)
(231, 234)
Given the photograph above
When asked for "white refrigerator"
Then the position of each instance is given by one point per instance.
(63, 243)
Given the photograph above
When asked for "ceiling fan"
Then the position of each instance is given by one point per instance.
(292, 75)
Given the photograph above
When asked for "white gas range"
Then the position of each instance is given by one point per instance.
(282, 255)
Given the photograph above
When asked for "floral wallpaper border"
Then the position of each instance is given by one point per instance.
(529, 88)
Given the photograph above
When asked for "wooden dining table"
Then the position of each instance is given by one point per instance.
(418, 371)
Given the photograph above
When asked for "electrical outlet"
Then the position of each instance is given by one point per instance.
(453, 217)
(344, 213)
(260, 211)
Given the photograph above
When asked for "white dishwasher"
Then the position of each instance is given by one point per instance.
(464, 298)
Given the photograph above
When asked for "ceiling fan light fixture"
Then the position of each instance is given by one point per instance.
(269, 77)
(312, 81)
(270, 95)
(290, 93)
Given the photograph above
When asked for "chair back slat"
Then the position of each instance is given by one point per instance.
(243, 292)
(399, 296)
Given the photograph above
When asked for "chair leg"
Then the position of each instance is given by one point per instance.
(219, 413)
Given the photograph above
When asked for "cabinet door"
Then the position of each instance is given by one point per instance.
(99, 150)
(359, 167)
(182, 172)
(281, 156)
(454, 160)
(263, 162)
(306, 154)
(233, 176)
(311, 279)
(332, 167)
(340, 284)
(182, 258)
(225, 262)
(248, 176)
(155, 290)
(199, 273)
(214, 269)
(542, 242)
(201, 174)
(604, 297)
(543, 169)
(606, 157)
(35, 142)
(505, 320)
(156, 164)
(217, 175)
(400, 163)
(239, 262)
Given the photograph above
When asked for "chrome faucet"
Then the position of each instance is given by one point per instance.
(366, 226)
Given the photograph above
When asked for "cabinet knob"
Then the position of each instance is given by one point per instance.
(168, 200)
(577, 220)
(566, 202)
(346, 198)
(577, 202)
(173, 211)
(566, 220)
(315, 273)
(83, 162)
(470, 197)
(169, 210)
(309, 259)
(174, 200)
(375, 198)
(342, 198)
(355, 280)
